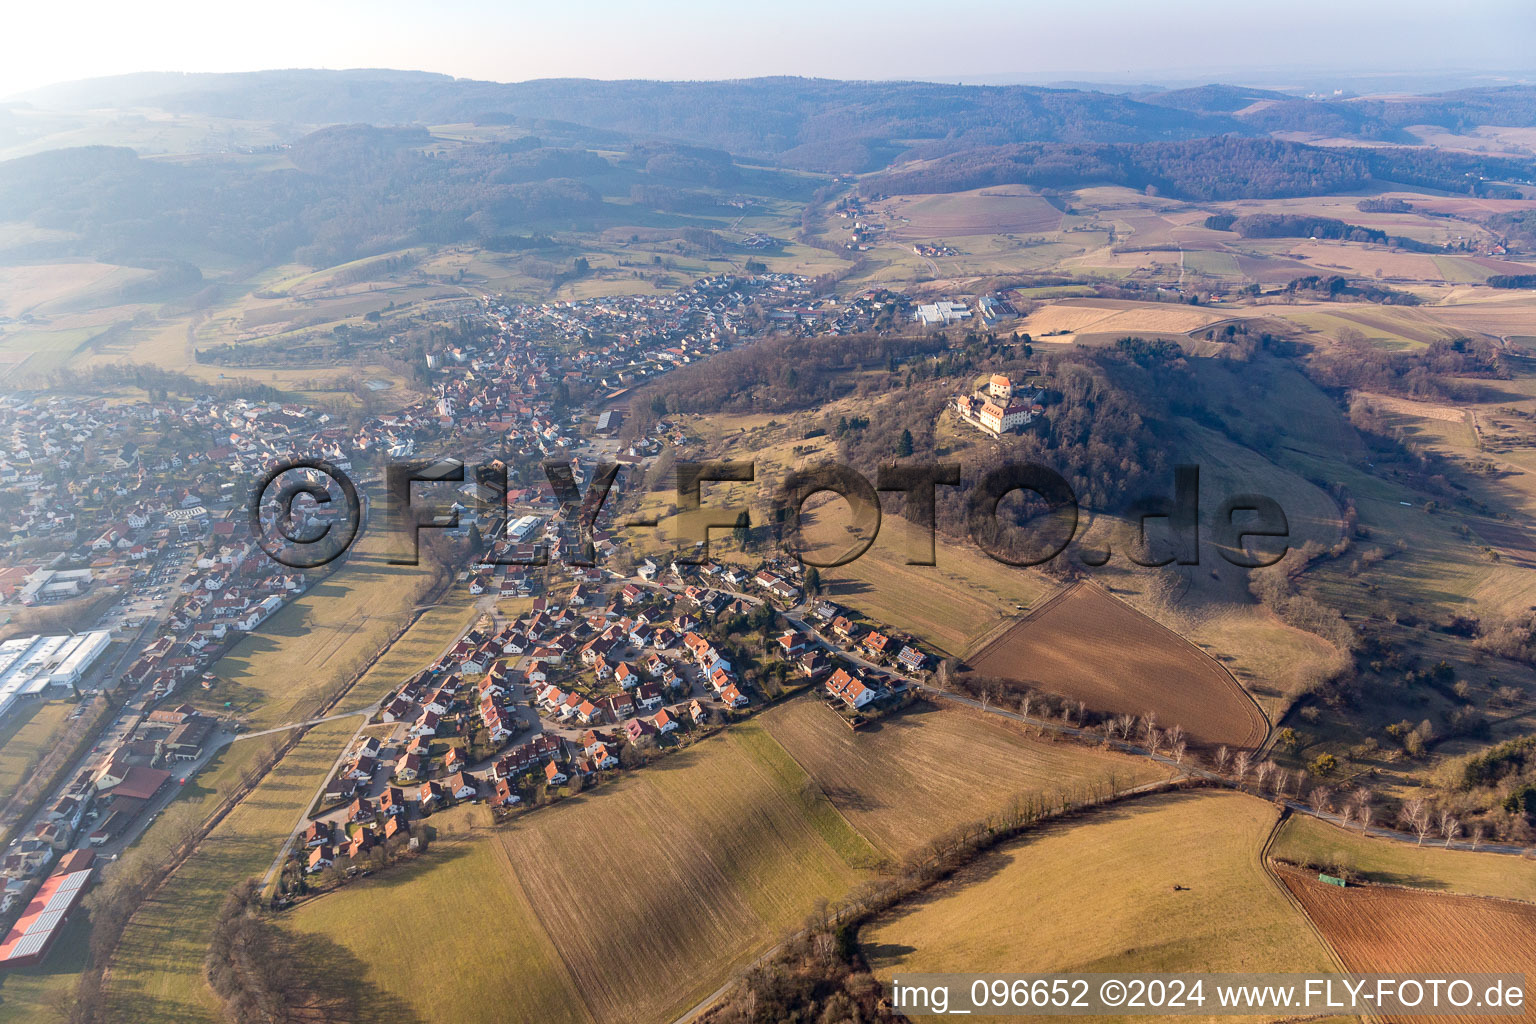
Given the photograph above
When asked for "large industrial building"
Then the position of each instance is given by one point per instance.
(31, 938)
(31, 665)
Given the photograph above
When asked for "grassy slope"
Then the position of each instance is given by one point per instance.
(920, 773)
(1307, 840)
(417, 647)
(1043, 904)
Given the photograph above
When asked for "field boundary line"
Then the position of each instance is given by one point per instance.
(877, 847)
(1266, 864)
(1019, 621)
(505, 856)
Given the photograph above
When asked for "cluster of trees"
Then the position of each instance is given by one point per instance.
(1512, 281)
(1384, 205)
(1290, 225)
(1098, 429)
(1335, 286)
(251, 968)
(1354, 363)
(1274, 588)
(1517, 228)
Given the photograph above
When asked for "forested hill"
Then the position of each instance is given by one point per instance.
(1230, 167)
(815, 124)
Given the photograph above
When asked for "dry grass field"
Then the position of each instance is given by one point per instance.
(33, 287)
(1086, 645)
(685, 874)
(1378, 930)
(465, 887)
(915, 775)
(1097, 894)
(27, 732)
(633, 901)
(627, 903)
(435, 630)
(1122, 316)
(284, 672)
(949, 605)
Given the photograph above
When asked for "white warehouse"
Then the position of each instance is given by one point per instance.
(30, 665)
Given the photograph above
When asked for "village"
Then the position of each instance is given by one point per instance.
(599, 680)
(137, 513)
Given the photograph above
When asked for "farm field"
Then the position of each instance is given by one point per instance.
(1086, 645)
(1306, 840)
(898, 781)
(685, 870)
(1121, 316)
(29, 288)
(29, 731)
(418, 646)
(1041, 903)
(157, 971)
(988, 211)
(1379, 930)
(465, 885)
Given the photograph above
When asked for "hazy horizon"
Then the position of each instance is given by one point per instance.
(1313, 44)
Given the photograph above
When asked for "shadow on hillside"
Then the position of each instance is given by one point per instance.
(338, 980)
(994, 861)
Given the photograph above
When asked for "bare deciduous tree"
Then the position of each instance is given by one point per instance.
(1178, 751)
(1477, 836)
(1449, 827)
(1416, 813)
(1241, 763)
(1262, 772)
(1223, 755)
(1322, 799)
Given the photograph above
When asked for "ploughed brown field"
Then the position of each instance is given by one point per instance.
(1382, 930)
(1087, 645)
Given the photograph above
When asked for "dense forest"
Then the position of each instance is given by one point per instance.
(352, 191)
(777, 374)
(1228, 167)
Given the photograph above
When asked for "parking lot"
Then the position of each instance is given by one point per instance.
(152, 594)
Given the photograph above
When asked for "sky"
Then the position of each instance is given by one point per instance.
(965, 40)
